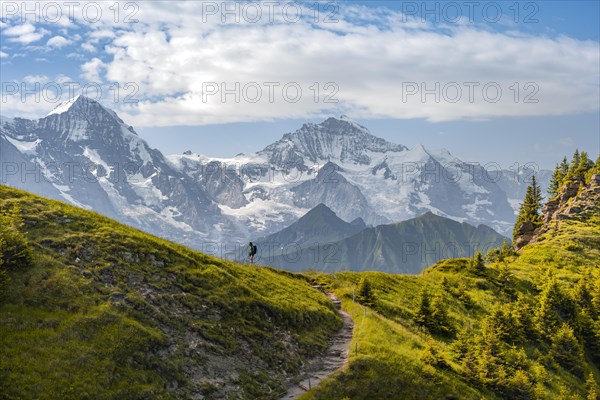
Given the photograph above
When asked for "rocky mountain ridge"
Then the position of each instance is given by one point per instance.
(83, 153)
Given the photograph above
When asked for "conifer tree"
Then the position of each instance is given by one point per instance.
(440, 319)
(555, 181)
(463, 344)
(478, 263)
(537, 194)
(547, 316)
(423, 316)
(591, 388)
(564, 166)
(574, 163)
(585, 164)
(365, 293)
(432, 356)
(582, 294)
(530, 208)
(567, 350)
(519, 386)
(523, 314)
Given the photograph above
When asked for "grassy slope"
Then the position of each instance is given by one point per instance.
(387, 351)
(107, 311)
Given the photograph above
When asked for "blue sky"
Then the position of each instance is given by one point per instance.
(499, 82)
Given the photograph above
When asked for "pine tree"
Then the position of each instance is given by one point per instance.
(519, 386)
(547, 316)
(463, 344)
(582, 294)
(440, 319)
(564, 166)
(365, 293)
(588, 333)
(555, 181)
(432, 356)
(423, 316)
(477, 262)
(567, 350)
(574, 163)
(499, 321)
(530, 208)
(537, 195)
(591, 388)
(585, 164)
(469, 367)
(523, 314)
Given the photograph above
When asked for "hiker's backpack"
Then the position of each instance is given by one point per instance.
(253, 249)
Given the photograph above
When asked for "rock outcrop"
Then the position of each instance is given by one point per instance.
(575, 200)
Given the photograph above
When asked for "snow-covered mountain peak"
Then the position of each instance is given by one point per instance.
(82, 106)
(64, 106)
(335, 139)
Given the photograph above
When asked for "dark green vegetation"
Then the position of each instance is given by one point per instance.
(529, 212)
(404, 247)
(509, 325)
(91, 308)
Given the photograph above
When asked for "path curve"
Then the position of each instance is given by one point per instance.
(335, 357)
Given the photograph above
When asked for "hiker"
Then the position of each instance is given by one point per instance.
(251, 252)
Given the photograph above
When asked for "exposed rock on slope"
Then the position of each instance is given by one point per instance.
(575, 200)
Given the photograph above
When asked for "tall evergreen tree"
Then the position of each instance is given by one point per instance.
(574, 163)
(537, 194)
(585, 164)
(554, 308)
(365, 293)
(567, 350)
(440, 319)
(590, 387)
(555, 181)
(530, 208)
(564, 166)
(423, 316)
(477, 262)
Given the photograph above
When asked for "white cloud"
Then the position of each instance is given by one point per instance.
(33, 79)
(92, 69)
(24, 33)
(62, 79)
(371, 68)
(58, 42)
(372, 56)
(100, 34)
(88, 47)
(3, 54)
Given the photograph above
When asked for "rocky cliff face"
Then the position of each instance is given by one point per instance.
(575, 200)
